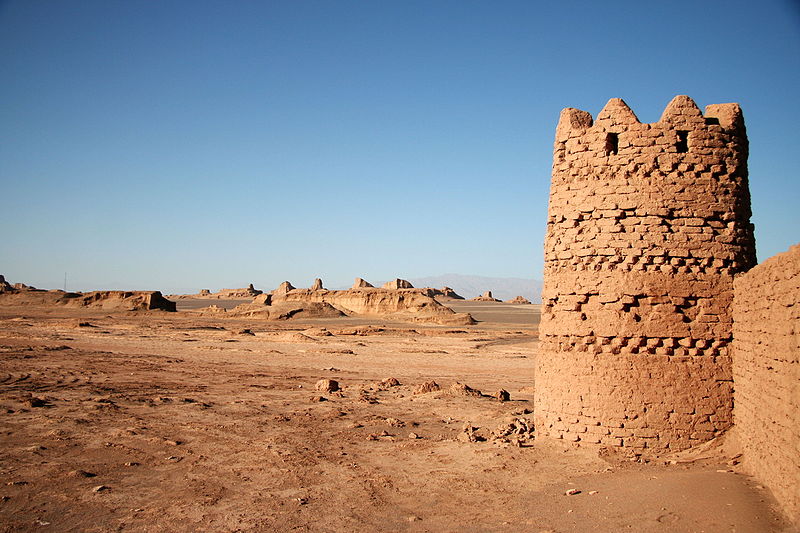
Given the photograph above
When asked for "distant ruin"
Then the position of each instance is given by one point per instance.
(647, 226)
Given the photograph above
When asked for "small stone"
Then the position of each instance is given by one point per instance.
(468, 434)
(81, 473)
(390, 382)
(572, 492)
(592, 492)
(319, 399)
(327, 385)
(100, 488)
(502, 395)
(413, 436)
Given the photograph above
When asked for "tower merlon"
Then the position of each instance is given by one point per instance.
(729, 116)
(682, 110)
(572, 120)
(615, 112)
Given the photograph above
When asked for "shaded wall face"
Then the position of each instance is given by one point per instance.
(766, 370)
(647, 225)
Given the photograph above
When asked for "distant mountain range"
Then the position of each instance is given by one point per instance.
(471, 286)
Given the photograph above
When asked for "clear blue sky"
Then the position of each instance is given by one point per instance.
(182, 145)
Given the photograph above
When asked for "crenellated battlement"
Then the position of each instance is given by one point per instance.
(618, 136)
(680, 113)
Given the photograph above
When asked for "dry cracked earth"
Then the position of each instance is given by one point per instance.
(179, 422)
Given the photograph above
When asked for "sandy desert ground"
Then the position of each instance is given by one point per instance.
(175, 422)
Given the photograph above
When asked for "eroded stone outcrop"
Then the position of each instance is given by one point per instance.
(485, 297)
(263, 307)
(361, 284)
(443, 295)
(283, 288)
(123, 301)
(24, 295)
(223, 294)
(400, 304)
(518, 300)
(397, 283)
(4, 285)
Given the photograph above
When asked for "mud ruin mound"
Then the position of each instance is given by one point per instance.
(317, 285)
(402, 304)
(445, 294)
(518, 300)
(123, 301)
(485, 297)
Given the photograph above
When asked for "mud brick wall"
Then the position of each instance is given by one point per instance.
(647, 226)
(766, 371)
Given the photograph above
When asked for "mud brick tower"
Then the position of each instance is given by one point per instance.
(647, 226)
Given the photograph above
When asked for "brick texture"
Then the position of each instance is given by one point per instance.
(766, 370)
(648, 224)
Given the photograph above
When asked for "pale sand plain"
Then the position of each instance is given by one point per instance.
(177, 422)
